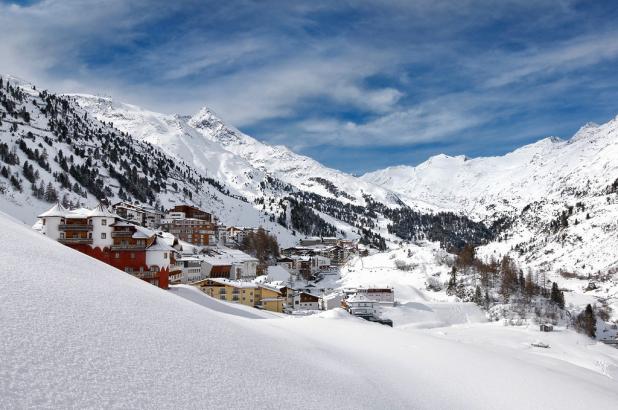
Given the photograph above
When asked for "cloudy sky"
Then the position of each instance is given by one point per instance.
(358, 85)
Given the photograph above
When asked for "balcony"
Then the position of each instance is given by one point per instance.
(74, 241)
(122, 234)
(75, 227)
(146, 274)
(128, 247)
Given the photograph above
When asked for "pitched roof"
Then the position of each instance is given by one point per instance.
(56, 210)
(100, 210)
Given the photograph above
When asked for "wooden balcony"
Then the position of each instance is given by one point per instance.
(128, 247)
(75, 227)
(122, 234)
(75, 241)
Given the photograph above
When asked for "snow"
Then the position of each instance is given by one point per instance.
(78, 333)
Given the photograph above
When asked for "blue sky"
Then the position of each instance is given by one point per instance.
(358, 85)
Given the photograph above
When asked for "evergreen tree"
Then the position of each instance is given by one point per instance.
(50, 193)
(452, 282)
(586, 322)
(556, 295)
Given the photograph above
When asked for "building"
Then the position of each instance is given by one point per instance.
(360, 305)
(384, 295)
(230, 263)
(103, 235)
(305, 301)
(262, 296)
(192, 212)
(245, 293)
(194, 231)
(138, 214)
(271, 298)
(192, 269)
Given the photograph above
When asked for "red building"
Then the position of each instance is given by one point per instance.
(105, 236)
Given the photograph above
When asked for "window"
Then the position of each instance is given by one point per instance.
(165, 255)
(132, 255)
(103, 235)
(61, 235)
(117, 255)
(104, 222)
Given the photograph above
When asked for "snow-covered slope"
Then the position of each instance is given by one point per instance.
(243, 162)
(77, 333)
(486, 186)
(532, 187)
(300, 171)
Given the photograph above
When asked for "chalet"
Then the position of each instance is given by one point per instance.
(305, 301)
(103, 235)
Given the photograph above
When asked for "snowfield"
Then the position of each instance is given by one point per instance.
(77, 333)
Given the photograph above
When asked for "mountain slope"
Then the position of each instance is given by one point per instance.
(52, 149)
(294, 190)
(83, 334)
(558, 197)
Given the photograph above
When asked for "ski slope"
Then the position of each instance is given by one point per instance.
(78, 333)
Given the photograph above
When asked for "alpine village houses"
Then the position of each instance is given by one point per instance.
(104, 235)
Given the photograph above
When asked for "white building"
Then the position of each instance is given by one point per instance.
(235, 264)
(305, 301)
(360, 305)
(192, 267)
(381, 294)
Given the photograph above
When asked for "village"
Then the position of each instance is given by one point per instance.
(189, 246)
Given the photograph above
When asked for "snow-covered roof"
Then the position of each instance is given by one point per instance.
(141, 232)
(160, 245)
(277, 273)
(56, 210)
(101, 211)
(235, 283)
(359, 297)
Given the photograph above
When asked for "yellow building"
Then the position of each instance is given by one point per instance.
(271, 298)
(246, 293)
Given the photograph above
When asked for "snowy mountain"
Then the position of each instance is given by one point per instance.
(273, 177)
(52, 149)
(78, 333)
(556, 199)
(82, 149)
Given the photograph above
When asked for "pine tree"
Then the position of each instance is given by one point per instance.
(478, 296)
(556, 295)
(50, 193)
(586, 322)
(452, 282)
(530, 286)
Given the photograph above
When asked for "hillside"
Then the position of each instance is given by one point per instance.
(97, 337)
(51, 149)
(82, 149)
(556, 200)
